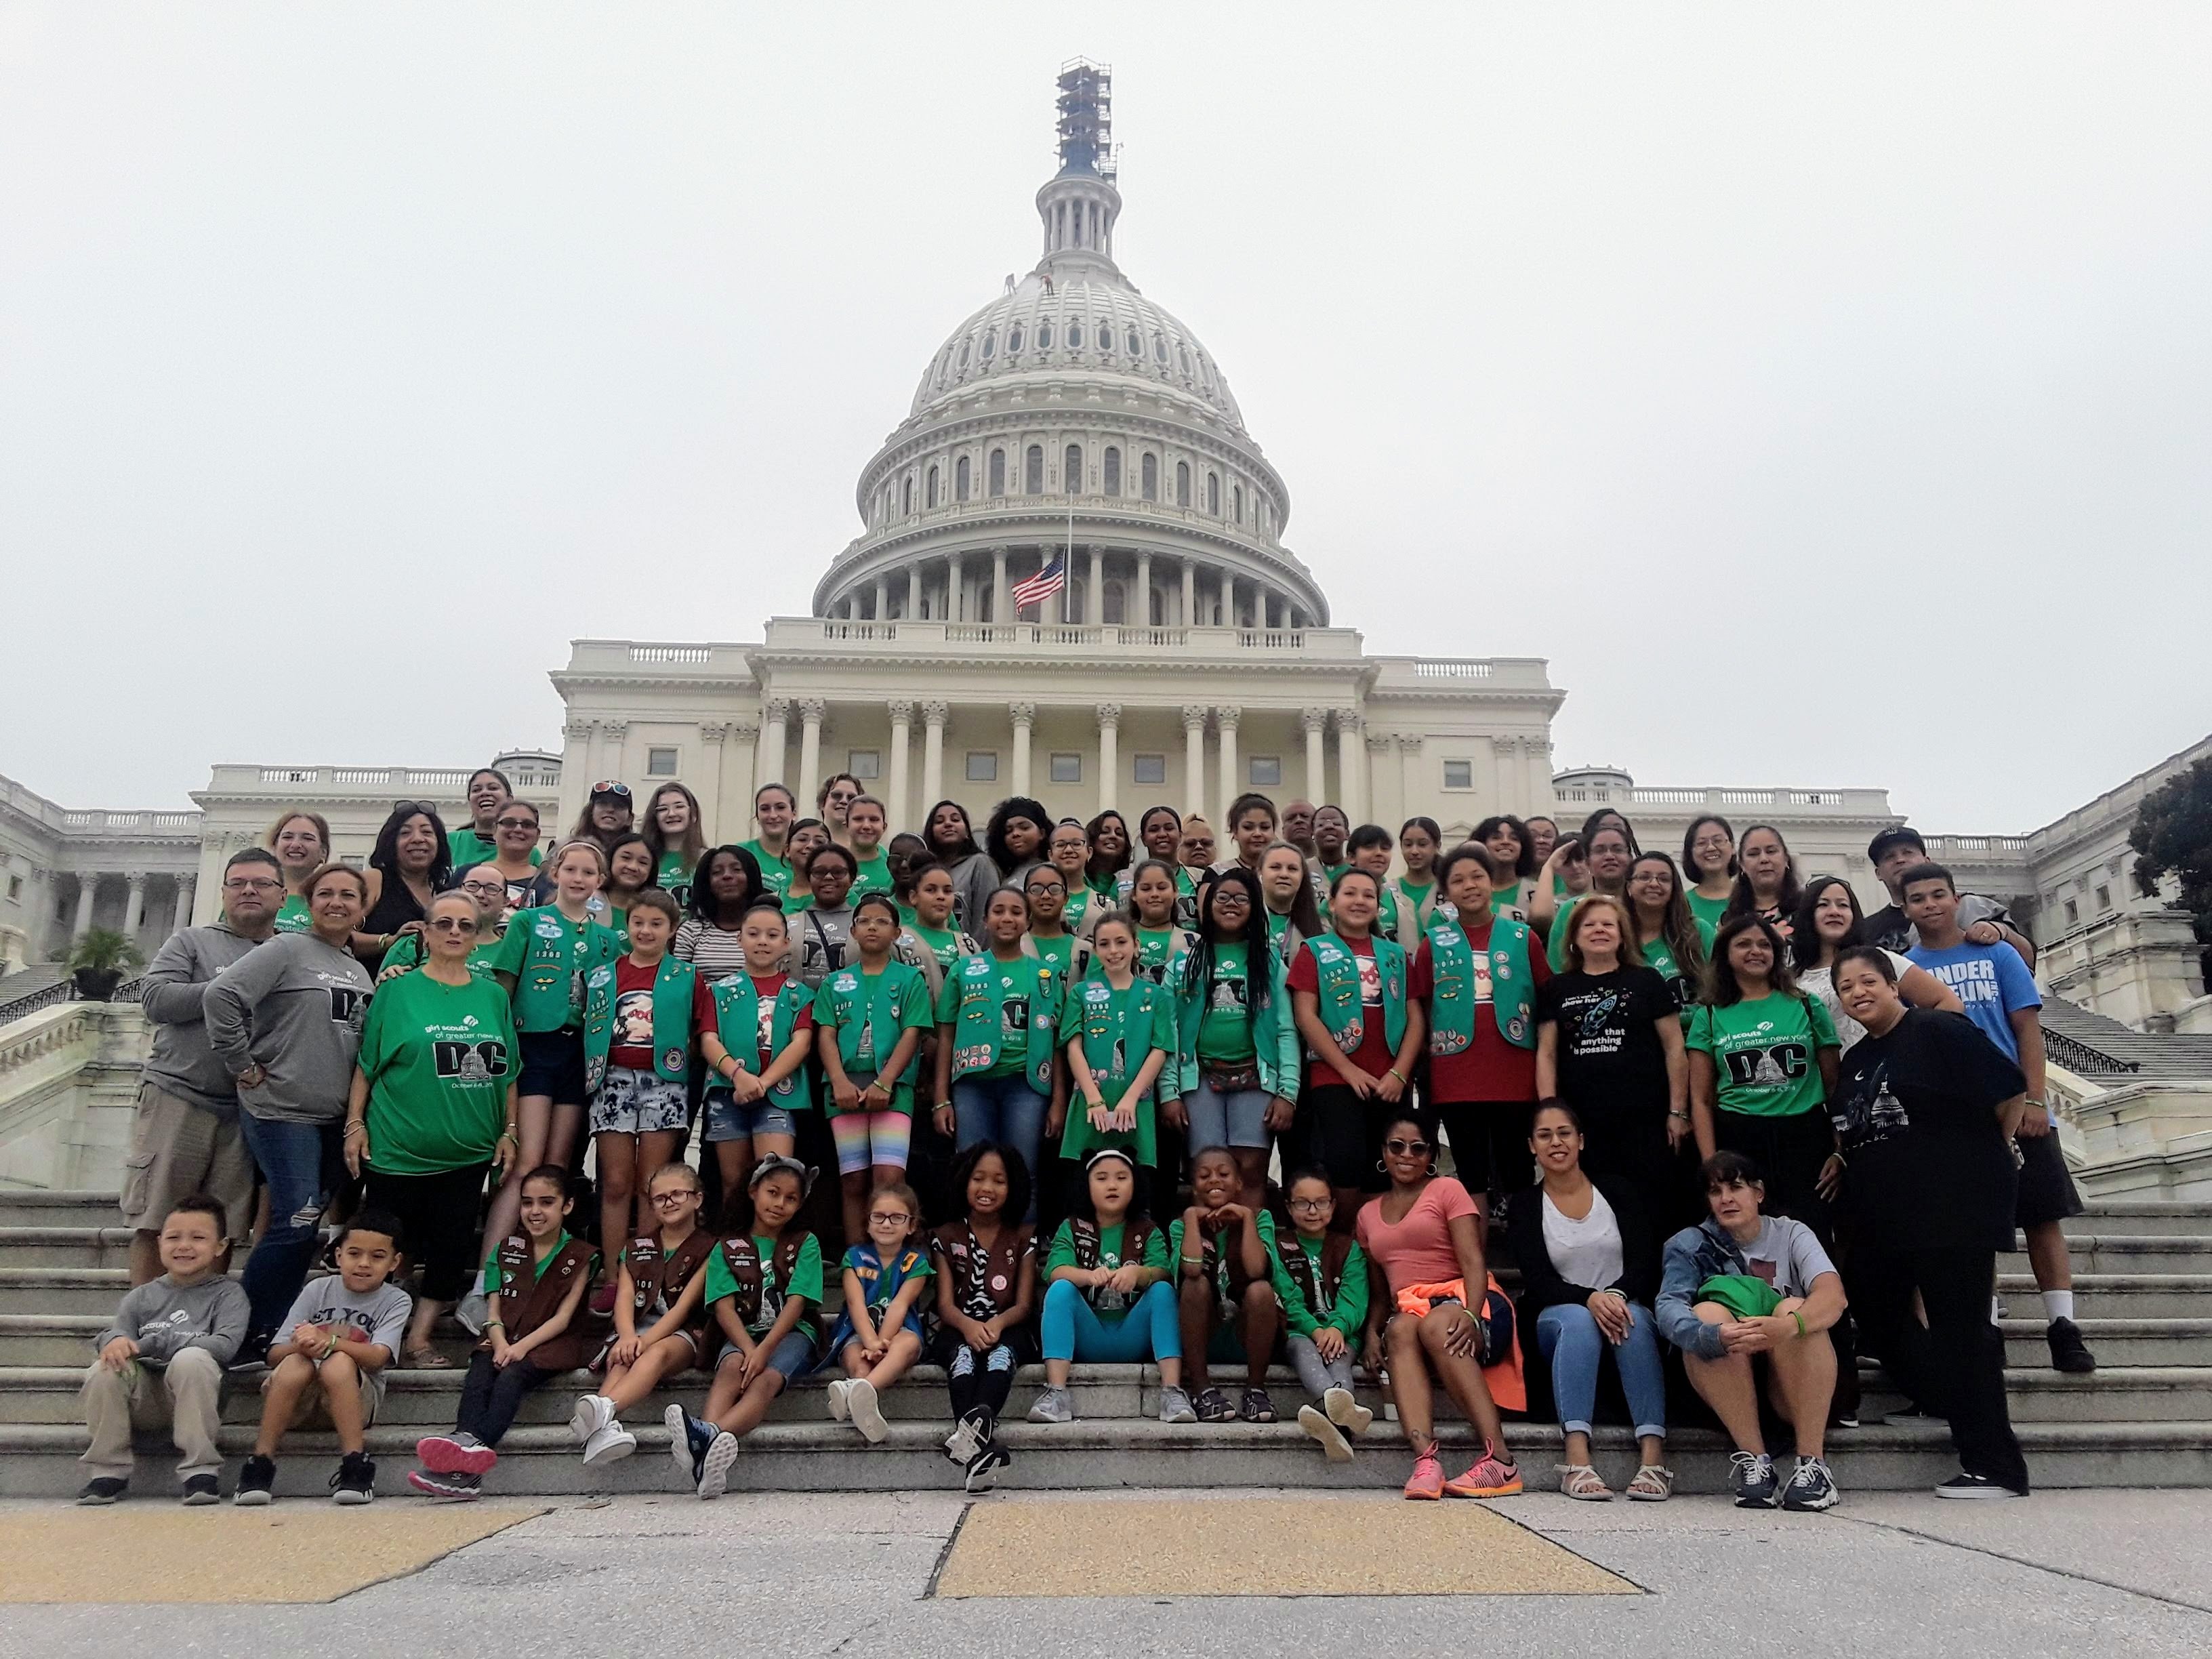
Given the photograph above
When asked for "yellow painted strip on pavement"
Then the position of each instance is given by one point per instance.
(298, 1552)
(1259, 1547)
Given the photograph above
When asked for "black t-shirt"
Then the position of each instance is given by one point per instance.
(1610, 1063)
(1928, 1167)
(1888, 928)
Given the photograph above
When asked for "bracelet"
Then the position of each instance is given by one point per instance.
(1394, 1072)
(1193, 1261)
(360, 1124)
(1800, 1318)
(507, 1133)
(495, 1324)
(1685, 1116)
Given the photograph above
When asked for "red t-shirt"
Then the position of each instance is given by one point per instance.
(1489, 1068)
(702, 1015)
(1373, 1056)
(633, 1034)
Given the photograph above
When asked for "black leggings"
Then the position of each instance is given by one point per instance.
(980, 1380)
(437, 1214)
(494, 1393)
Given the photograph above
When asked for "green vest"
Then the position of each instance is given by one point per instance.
(1451, 996)
(1337, 968)
(881, 1016)
(979, 1028)
(543, 978)
(736, 1022)
(671, 1020)
(1103, 1037)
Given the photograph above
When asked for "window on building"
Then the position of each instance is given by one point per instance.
(1267, 772)
(660, 762)
(1183, 484)
(1213, 493)
(998, 472)
(1033, 470)
(1236, 501)
(1071, 470)
(1044, 336)
(865, 764)
(1160, 351)
(930, 494)
(15, 889)
(2073, 913)
(1150, 769)
(1014, 338)
(983, 766)
(906, 497)
(1136, 346)
(1148, 478)
(1459, 774)
(990, 344)
(1066, 768)
(1075, 336)
(960, 479)
(1113, 468)
(2104, 898)
(964, 354)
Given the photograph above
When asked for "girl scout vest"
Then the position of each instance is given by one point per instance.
(657, 1278)
(742, 1257)
(979, 1028)
(671, 1020)
(876, 1022)
(1136, 1237)
(1337, 968)
(546, 990)
(1317, 1282)
(736, 1022)
(1107, 1050)
(528, 1302)
(983, 1277)
(1451, 1001)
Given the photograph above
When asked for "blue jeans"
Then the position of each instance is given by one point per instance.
(1074, 1330)
(292, 1157)
(1004, 1109)
(1569, 1336)
(1233, 1119)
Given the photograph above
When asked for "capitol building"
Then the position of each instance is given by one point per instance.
(1069, 424)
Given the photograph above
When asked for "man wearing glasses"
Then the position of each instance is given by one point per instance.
(184, 1136)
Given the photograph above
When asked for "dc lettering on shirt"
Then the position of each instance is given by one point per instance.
(345, 1004)
(1784, 1062)
(471, 1062)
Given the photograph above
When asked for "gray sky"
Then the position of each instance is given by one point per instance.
(1827, 392)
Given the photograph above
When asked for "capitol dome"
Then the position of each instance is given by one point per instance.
(1071, 414)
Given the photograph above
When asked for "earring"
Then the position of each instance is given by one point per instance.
(1380, 1167)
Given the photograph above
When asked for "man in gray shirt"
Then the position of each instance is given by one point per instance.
(184, 1136)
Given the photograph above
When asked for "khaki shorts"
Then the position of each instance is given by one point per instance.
(312, 1410)
(176, 1149)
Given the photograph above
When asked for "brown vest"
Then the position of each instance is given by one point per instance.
(658, 1280)
(742, 1258)
(965, 1262)
(526, 1302)
(1136, 1234)
(1335, 1251)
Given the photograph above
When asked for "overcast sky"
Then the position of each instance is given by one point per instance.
(1826, 392)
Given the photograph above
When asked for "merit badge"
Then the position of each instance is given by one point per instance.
(672, 1060)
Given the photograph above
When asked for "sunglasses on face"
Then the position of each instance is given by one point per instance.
(515, 824)
(451, 924)
(1406, 1148)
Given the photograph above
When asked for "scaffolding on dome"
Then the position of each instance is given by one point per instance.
(1086, 118)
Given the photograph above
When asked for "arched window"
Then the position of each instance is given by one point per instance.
(964, 354)
(1071, 470)
(1033, 470)
(1044, 336)
(1136, 346)
(906, 496)
(1183, 484)
(1156, 610)
(930, 497)
(1213, 493)
(1237, 499)
(990, 343)
(1117, 603)
(960, 479)
(1113, 470)
(1075, 336)
(1014, 338)
(998, 472)
(1159, 350)
(1149, 478)
(1184, 357)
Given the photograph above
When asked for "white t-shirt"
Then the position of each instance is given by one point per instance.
(1818, 982)
(1585, 1252)
(1786, 1255)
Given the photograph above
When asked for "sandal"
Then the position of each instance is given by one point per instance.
(1213, 1407)
(1257, 1407)
(1652, 1485)
(1580, 1480)
(424, 1359)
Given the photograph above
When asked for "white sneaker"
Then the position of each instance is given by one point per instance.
(866, 1411)
(714, 1472)
(1343, 1410)
(964, 1442)
(838, 1395)
(1319, 1426)
(473, 1310)
(593, 1413)
(610, 1446)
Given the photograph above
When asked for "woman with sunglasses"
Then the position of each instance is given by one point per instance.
(774, 809)
(488, 893)
(409, 865)
(675, 834)
(488, 791)
(1424, 1254)
(834, 802)
(609, 814)
(1194, 848)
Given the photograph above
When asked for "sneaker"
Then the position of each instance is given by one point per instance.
(593, 1413)
(1343, 1410)
(454, 1488)
(964, 1442)
(458, 1453)
(1975, 1485)
(1756, 1488)
(866, 1411)
(687, 1441)
(102, 1489)
(200, 1489)
(1845, 1420)
(2068, 1351)
(838, 1393)
(1488, 1476)
(1176, 1406)
(474, 1310)
(602, 1300)
(1256, 1407)
(1316, 1425)
(1209, 1406)
(1811, 1487)
(982, 1472)
(1428, 1479)
(610, 1446)
(715, 1467)
(252, 1356)
(257, 1483)
(1053, 1406)
(354, 1479)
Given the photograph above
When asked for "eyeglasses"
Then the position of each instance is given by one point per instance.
(675, 1195)
(1233, 900)
(485, 888)
(1406, 1148)
(451, 924)
(528, 823)
(251, 884)
(609, 786)
(887, 1217)
(1047, 887)
(1310, 1203)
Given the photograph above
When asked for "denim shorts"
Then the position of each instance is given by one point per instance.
(635, 1103)
(793, 1359)
(727, 1121)
(553, 1066)
(1239, 1119)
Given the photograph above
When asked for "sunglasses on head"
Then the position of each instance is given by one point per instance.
(611, 788)
(411, 807)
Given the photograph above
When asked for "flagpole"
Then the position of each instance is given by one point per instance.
(1067, 576)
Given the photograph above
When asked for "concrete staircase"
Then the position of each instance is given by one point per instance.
(2143, 1288)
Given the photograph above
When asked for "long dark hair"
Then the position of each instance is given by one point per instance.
(385, 855)
(1805, 939)
(1690, 840)
(1741, 902)
(965, 848)
(1198, 966)
(1677, 927)
(1098, 864)
(702, 902)
(631, 837)
(1596, 820)
(1524, 867)
(994, 834)
(1017, 1181)
(693, 841)
(1722, 990)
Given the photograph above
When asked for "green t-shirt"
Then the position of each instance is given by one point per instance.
(805, 1282)
(1224, 1029)
(1708, 911)
(544, 999)
(1060, 951)
(1765, 1054)
(440, 1059)
(872, 876)
(1346, 1315)
(673, 877)
(943, 943)
(1420, 896)
(1015, 979)
(538, 1264)
(1112, 1306)
(406, 951)
(292, 916)
(466, 847)
(776, 872)
(1156, 948)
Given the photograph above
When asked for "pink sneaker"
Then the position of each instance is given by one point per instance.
(1489, 1476)
(455, 1453)
(1428, 1480)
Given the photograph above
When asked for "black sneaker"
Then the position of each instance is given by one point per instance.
(252, 1355)
(257, 1483)
(982, 1472)
(355, 1479)
(1811, 1486)
(1752, 1476)
(1975, 1485)
(201, 1489)
(2068, 1351)
(102, 1489)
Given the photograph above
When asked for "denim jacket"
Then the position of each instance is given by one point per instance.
(1693, 1256)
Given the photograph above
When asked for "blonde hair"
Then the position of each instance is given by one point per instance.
(1631, 953)
(585, 844)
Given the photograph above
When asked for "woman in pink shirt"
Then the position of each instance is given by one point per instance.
(1424, 1242)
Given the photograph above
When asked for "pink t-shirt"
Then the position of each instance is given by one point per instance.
(1418, 1249)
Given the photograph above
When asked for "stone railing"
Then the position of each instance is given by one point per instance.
(68, 1080)
(1112, 642)
(1844, 803)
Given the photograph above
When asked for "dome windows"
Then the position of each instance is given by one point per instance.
(964, 354)
(1183, 355)
(1136, 345)
(1071, 470)
(1160, 351)
(929, 492)
(906, 496)
(1113, 469)
(1149, 478)
(998, 472)
(960, 479)
(1044, 336)
(1075, 336)
(1237, 500)
(990, 343)
(1033, 470)
(1014, 339)
(1213, 493)
(1183, 484)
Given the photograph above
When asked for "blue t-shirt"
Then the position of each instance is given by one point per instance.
(1991, 980)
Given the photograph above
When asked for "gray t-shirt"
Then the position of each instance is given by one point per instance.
(171, 994)
(164, 1318)
(1787, 1255)
(379, 1316)
(294, 1006)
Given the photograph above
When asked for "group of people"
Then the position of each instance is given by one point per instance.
(1185, 1103)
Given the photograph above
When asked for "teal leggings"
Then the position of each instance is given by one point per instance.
(1074, 1330)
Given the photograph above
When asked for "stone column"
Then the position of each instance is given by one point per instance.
(914, 591)
(133, 911)
(811, 711)
(1379, 807)
(1000, 610)
(1023, 715)
(575, 773)
(708, 788)
(955, 608)
(1144, 615)
(1094, 601)
(776, 747)
(1351, 781)
(1194, 743)
(1109, 753)
(1538, 750)
(901, 712)
(1189, 594)
(934, 716)
(733, 808)
(1232, 782)
(882, 598)
(1228, 600)
(180, 917)
(1411, 791)
(1316, 721)
(87, 889)
(612, 733)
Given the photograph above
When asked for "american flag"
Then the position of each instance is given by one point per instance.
(1036, 589)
